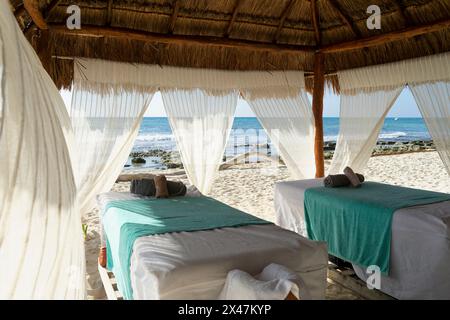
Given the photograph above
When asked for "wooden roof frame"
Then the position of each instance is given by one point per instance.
(39, 19)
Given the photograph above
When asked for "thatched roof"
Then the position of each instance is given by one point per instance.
(237, 34)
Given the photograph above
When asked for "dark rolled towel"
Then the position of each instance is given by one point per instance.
(135, 186)
(351, 175)
(144, 187)
(339, 180)
(176, 188)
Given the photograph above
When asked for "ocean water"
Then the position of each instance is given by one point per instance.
(247, 133)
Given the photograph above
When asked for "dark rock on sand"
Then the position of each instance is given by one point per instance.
(138, 160)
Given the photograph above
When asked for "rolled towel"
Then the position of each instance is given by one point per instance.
(354, 180)
(339, 180)
(176, 188)
(144, 187)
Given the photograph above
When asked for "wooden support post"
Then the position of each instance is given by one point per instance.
(318, 91)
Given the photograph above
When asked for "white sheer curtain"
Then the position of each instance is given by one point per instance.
(201, 122)
(288, 121)
(199, 102)
(105, 122)
(41, 245)
(361, 118)
(368, 93)
(433, 100)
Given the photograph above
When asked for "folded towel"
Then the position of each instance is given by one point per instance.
(275, 282)
(339, 180)
(354, 180)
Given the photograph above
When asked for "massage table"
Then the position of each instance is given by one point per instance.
(420, 243)
(194, 265)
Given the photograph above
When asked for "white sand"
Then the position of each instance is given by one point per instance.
(250, 188)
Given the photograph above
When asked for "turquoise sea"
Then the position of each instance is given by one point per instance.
(247, 134)
(155, 133)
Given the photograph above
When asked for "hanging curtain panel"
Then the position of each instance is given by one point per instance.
(110, 97)
(201, 123)
(288, 121)
(391, 75)
(367, 95)
(361, 118)
(41, 244)
(433, 100)
(105, 122)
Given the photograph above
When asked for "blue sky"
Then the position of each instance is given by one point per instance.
(405, 106)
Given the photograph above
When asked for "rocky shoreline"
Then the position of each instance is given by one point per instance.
(172, 160)
(388, 147)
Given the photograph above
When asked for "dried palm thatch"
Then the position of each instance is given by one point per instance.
(236, 34)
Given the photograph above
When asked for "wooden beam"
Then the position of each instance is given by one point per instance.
(344, 17)
(36, 14)
(173, 18)
(237, 6)
(32, 7)
(283, 17)
(109, 13)
(317, 108)
(386, 37)
(111, 32)
(315, 21)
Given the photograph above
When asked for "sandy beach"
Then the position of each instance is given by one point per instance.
(249, 187)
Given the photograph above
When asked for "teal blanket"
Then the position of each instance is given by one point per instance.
(126, 220)
(356, 222)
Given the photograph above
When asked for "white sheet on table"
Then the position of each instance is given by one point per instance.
(194, 265)
(288, 198)
(420, 243)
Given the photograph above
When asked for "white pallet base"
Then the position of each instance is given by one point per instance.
(110, 284)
